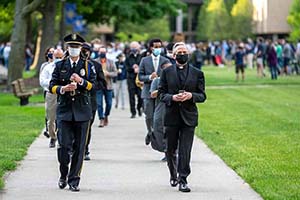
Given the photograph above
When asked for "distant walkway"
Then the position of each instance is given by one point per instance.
(123, 168)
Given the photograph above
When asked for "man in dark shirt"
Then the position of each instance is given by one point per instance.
(181, 87)
(239, 62)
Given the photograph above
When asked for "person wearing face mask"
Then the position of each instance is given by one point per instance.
(121, 81)
(50, 99)
(149, 69)
(110, 71)
(132, 62)
(181, 87)
(100, 84)
(72, 81)
(49, 58)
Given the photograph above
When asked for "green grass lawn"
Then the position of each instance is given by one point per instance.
(19, 127)
(255, 130)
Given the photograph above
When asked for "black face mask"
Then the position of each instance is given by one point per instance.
(102, 55)
(182, 58)
(50, 55)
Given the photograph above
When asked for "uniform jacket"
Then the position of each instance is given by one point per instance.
(170, 85)
(146, 68)
(78, 107)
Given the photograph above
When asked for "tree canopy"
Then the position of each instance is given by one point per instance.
(294, 20)
(126, 10)
(216, 22)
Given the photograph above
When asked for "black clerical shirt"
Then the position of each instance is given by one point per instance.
(182, 72)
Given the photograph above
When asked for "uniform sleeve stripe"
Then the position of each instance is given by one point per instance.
(53, 90)
(89, 86)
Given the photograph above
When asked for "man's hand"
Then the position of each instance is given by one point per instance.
(135, 68)
(153, 75)
(186, 96)
(177, 97)
(75, 77)
(105, 72)
(154, 94)
(69, 87)
(181, 97)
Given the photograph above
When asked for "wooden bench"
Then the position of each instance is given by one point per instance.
(20, 91)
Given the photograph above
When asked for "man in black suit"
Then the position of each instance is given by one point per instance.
(132, 62)
(149, 69)
(181, 87)
(72, 81)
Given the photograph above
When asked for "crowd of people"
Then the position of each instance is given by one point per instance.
(280, 56)
(163, 80)
(79, 79)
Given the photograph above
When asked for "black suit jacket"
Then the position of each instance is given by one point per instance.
(78, 107)
(170, 85)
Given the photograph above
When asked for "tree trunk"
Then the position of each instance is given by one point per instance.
(48, 30)
(16, 61)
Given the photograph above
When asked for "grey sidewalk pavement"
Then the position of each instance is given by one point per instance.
(122, 167)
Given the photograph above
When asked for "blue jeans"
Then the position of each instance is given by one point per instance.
(108, 102)
(273, 70)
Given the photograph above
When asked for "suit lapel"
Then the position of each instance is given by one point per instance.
(175, 75)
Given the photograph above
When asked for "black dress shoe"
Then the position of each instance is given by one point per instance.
(183, 187)
(74, 188)
(62, 183)
(173, 182)
(147, 139)
(132, 116)
(164, 159)
(87, 157)
(140, 112)
(52, 143)
(46, 134)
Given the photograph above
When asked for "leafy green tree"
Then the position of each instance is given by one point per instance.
(242, 19)
(217, 19)
(6, 20)
(216, 23)
(126, 10)
(294, 20)
(229, 4)
(155, 28)
(201, 28)
(23, 9)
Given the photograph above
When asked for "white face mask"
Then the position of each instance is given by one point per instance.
(74, 52)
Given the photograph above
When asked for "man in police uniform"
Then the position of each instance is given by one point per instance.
(71, 81)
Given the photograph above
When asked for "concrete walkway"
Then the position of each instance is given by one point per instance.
(122, 167)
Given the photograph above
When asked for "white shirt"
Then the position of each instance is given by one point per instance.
(46, 75)
(155, 60)
(71, 61)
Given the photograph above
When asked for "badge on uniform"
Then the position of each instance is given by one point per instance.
(82, 72)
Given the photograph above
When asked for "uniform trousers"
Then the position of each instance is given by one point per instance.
(72, 140)
(181, 137)
(50, 106)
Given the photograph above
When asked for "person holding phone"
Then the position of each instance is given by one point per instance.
(181, 87)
